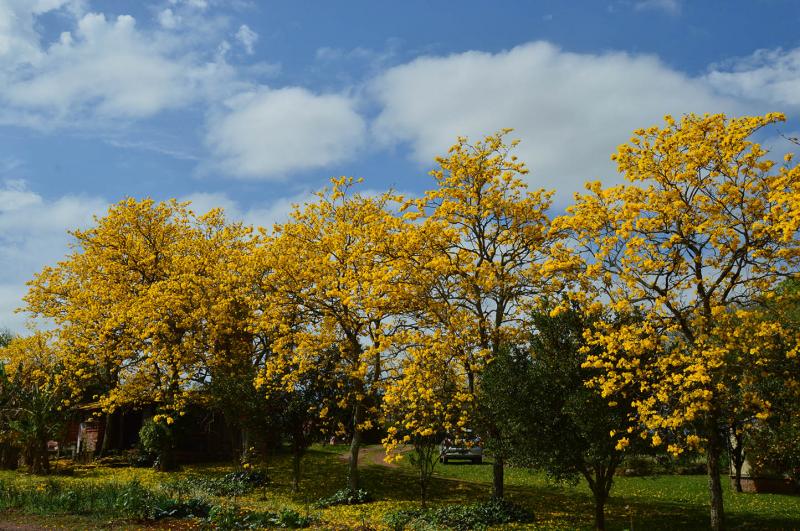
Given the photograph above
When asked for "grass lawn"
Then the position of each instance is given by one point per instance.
(648, 503)
(662, 502)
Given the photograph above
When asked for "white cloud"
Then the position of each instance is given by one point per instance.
(19, 40)
(105, 69)
(247, 38)
(33, 234)
(154, 147)
(201, 5)
(768, 76)
(267, 134)
(168, 19)
(570, 110)
(15, 196)
(346, 65)
(672, 7)
(9, 164)
(203, 202)
(10, 299)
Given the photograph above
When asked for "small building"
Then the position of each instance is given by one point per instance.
(762, 482)
(200, 435)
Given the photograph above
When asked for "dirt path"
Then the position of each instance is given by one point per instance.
(20, 522)
(370, 455)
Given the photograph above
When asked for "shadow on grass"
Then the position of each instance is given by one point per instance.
(554, 506)
(659, 503)
(672, 515)
(324, 473)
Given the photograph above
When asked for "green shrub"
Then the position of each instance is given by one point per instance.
(156, 439)
(292, 519)
(459, 517)
(638, 465)
(226, 517)
(345, 497)
(128, 500)
(232, 484)
(139, 458)
(232, 517)
(254, 477)
(651, 465)
(191, 508)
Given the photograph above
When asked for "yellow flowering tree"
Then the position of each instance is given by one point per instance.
(335, 289)
(426, 399)
(34, 396)
(107, 297)
(94, 339)
(139, 304)
(485, 239)
(217, 289)
(703, 228)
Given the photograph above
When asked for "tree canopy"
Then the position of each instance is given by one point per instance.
(372, 310)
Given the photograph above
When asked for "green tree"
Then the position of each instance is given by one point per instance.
(6, 336)
(551, 419)
(772, 443)
(252, 419)
(500, 392)
(9, 453)
(301, 424)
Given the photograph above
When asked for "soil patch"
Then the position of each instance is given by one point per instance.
(370, 455)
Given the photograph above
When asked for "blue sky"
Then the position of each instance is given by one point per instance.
(252, 105)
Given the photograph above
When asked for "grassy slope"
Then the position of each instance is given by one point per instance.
(666, 502)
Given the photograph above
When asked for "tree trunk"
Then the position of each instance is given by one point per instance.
(600, 478)
(166, 455)
(234, 439)
(121, 443)
(497, 477)
(34, 465)
(166, 460)
(45, 458)
(736, 452)
(244, 455)
(106, 444)
(355, 446)
(296, 470)
(39, 461)
(713, 452)
(738, 478)
(425, 461)
(599, 511)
